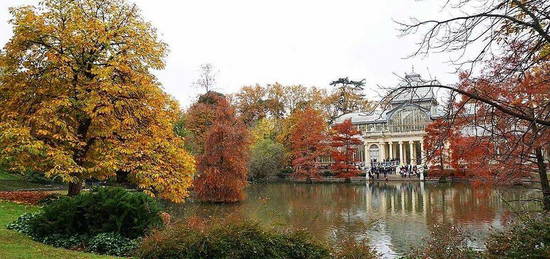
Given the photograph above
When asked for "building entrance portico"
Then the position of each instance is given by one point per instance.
(405, 152)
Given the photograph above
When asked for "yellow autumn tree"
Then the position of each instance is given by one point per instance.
(264, 129)
(78, 99)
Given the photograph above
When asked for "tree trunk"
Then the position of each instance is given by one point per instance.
(121, 176)
(543, 179)
(74, 188)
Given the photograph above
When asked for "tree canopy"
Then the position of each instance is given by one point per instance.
(78, 100)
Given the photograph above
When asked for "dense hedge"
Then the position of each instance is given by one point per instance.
(241, 240)
(103, 210)
(106, 220)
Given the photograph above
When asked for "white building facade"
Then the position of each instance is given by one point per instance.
(396, 133)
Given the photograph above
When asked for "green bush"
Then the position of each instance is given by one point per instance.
(526, 238)
(241, 240)
(266, 159)
(106, 221)
(22, 224)
(285, 172)
(50, 198)
(65, 241)
(111, 244)
(104, 210)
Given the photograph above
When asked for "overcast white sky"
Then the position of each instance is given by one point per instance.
(309, 42)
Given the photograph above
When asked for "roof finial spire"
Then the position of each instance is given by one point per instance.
(413, 68)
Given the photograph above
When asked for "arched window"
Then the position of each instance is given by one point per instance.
(409, 118)
(374, 152)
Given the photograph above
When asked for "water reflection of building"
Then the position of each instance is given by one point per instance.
(405, 211)
(409, 210)
(396, 133)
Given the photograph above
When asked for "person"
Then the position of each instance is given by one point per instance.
(425, 171)
(371, 173)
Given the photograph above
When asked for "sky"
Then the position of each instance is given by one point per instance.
(308, 42)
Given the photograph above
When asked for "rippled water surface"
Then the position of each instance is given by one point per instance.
(403, 212)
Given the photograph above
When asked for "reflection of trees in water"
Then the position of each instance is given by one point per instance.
(337, 211)
(460, 203)
(334, 211)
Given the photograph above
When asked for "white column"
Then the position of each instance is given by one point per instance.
(422, 156)
(367, 155)
(391, 150)
(401, 156)
(411, 145)
(382, 150)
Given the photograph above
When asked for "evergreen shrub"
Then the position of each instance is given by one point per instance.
(107, 221)
(103, 210)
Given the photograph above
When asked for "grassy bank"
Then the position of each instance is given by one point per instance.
(11, 182)
(16, 245)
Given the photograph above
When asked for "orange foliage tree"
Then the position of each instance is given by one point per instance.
(470, 156)
(199, 118)
(437, 136)
(344, 140)
(223, 166)
(78, 99)
(308, 140)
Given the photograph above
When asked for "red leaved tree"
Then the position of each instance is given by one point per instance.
(223, 167)
(438, 134)
(199, 118)
(308, 142)
(511, 95)
(490, 144)
(344, 140)
(471, 156)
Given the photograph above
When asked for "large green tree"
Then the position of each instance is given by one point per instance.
(347, 97)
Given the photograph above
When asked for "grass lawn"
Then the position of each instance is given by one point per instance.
(11, 182)
(16, 245)
(5, 176)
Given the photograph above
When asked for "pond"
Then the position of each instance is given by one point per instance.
(393, 215)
